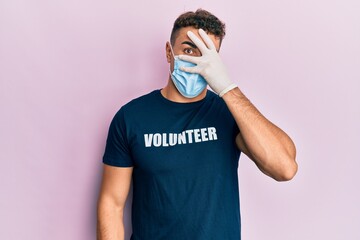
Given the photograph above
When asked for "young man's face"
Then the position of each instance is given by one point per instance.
(184, 46)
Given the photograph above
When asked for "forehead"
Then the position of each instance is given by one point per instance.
(182, 36)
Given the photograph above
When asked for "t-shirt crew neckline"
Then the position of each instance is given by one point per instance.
(181, 104)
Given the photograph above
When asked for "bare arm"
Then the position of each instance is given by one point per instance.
(110, 207)
(268, 146)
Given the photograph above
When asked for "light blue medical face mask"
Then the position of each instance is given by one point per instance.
(190, 85)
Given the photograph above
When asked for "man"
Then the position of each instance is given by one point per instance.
(181, 145)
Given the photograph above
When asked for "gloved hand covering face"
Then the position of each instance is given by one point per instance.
(209, 65)
(189, 85)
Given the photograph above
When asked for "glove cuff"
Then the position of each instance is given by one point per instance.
(231, 86)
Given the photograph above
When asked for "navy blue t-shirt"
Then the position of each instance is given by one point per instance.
(185, 179)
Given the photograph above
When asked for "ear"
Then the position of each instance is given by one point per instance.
(168, 52)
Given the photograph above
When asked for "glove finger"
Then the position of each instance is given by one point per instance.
(190, 69)
(210, 44)
(191, 59)
(197, 41)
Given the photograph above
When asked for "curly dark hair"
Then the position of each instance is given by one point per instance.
(199, 19)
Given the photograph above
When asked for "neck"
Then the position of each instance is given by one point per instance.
(171, 93)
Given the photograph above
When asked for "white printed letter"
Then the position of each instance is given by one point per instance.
(197, 135)
(189, 133)
(212, 133)
(157, 139)
(204, 134)
(165, 143)
(148, 139)
(172, 139)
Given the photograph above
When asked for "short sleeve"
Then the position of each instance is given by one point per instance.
(117, 151)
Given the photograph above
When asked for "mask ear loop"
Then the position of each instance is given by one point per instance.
(171, 49)
(172, 52)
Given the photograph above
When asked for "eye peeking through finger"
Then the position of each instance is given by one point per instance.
(192, 52)
(189, 51)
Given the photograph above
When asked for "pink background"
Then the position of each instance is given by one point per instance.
(67, 66)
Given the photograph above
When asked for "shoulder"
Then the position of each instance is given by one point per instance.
(137, 105)
(142, 101)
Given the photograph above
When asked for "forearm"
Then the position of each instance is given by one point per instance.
(270, 147)
(110, 225)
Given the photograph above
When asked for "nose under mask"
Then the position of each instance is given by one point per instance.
(189, 85)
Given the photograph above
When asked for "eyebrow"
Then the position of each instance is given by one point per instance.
(190, 44)
(193, 45)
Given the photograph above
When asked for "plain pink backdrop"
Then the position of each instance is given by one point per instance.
(67, 66)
